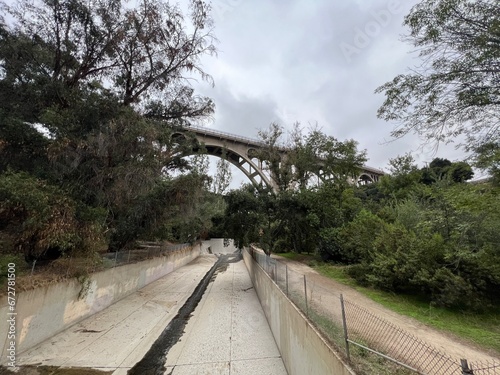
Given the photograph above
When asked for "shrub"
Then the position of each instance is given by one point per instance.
(43, 221)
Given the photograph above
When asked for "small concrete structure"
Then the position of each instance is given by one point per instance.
(302, 348)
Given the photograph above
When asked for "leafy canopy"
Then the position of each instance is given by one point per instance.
(110, 81)
(456, 89)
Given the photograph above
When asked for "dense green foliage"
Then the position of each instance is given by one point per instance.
(92, 93)
(455, 89)
(440, 241)
(317, 169)
(438, 237)
(421, 231)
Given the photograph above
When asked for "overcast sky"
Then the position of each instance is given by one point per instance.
(312, 61)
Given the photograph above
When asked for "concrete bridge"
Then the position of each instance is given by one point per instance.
(241, 152)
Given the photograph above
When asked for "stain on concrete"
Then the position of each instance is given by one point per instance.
(153, 362)
(88, 330)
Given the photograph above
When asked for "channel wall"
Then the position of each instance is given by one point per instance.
(43, 312)
(302, 348)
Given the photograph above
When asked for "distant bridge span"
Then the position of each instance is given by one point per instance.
(240, 151)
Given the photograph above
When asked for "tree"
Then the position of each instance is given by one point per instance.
(443, 169)
(404, 176)
(460, 171)
(244, 215)
(44, 222)
(144, 55)
(109, 82)
(223, 177)
(456, 89)
(157, 51)
(487, 157)
(295, 163)
(402, 165)
(314, 173)
(271, 154)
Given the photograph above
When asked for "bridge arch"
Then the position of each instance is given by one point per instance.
(365, 179)
(242, 156)
(252, 168)
(242, 153)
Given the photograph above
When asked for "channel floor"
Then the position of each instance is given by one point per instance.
(227, 334)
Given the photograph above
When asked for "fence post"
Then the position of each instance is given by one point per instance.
(33, 267)
(276, 272)
(305, 294)
(465, 367)
(116, 257)
(344, 323)
(128, 258)
(286, 279)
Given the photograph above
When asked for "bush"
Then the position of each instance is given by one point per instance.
(359, 272)
(451, 290)
(281, 246)
(355, 240)
(43, 221)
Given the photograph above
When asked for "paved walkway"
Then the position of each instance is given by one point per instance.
(227, 334)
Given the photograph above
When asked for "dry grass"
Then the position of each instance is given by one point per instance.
(51, 273)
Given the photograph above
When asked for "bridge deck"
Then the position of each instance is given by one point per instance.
(226, 334)
(207, 132)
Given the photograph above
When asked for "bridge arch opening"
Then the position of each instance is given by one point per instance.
(365, 179)
(242, 168)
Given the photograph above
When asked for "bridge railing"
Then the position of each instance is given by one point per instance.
(218, 133)
(254, 142)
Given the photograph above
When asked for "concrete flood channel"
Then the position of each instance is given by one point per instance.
(153, 363)
(251, 346)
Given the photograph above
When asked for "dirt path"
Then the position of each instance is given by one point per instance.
(324, 292)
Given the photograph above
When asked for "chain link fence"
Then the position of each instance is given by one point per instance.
(358, 332)
(146, 250)
(39, 273)
(485, 368)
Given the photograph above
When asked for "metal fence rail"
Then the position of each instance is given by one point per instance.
(147, 250)
(485, 368)
(383, 337)
(347, 324)
(75, 266)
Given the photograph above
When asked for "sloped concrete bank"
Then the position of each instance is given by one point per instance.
(302, 348)
(46, 311)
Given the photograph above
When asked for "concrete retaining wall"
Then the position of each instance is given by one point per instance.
(302, 348)
(46, 311)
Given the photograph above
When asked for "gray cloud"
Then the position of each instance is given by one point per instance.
(240, 113)
(286, 61)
